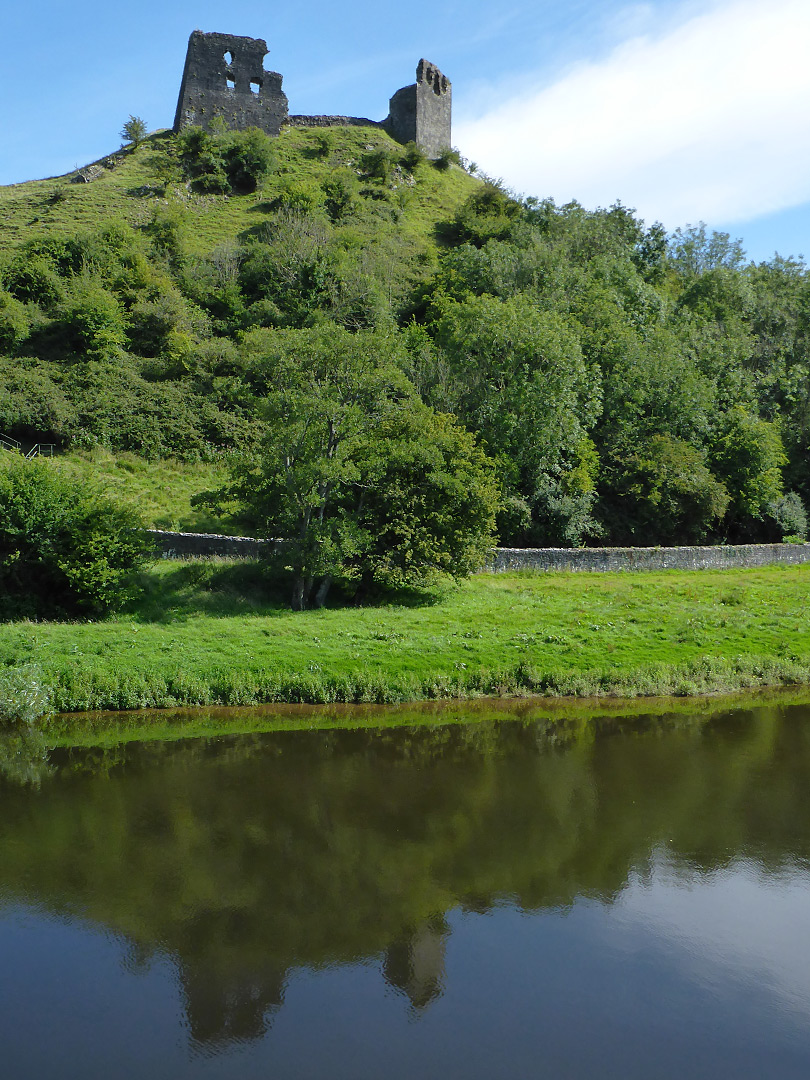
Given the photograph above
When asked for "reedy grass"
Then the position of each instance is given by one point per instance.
(208, 633)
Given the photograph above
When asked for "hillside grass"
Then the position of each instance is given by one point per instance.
(400, 215)
(160, 490)
(207, 633)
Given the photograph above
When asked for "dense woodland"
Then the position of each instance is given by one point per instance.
(628, 386)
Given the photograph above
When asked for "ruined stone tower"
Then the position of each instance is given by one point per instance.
(224, 76)
(421, 113)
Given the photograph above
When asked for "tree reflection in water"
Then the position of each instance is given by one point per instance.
(248, 858)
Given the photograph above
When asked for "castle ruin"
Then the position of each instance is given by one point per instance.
(224, 76)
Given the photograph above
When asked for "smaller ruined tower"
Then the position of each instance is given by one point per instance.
(421, 113)
(224, 76)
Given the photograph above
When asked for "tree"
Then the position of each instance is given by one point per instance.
(747, 455)
(65, 549)
(134, 130)
(356, 478)
(517, 377)
(693, 251)
(664, 494)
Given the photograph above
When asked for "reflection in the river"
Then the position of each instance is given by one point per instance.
(498, 885)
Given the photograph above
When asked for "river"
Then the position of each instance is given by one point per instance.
(566, 896)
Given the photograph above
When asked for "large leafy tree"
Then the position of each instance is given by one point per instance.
(516, 375)
(356, 479)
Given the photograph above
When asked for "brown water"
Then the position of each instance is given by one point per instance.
(618, 898)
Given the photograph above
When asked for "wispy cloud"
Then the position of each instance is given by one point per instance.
(706, 119)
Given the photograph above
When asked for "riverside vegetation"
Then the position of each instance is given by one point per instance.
(201, 633)
(388, 361)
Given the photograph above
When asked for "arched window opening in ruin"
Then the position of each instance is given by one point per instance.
(228, 57)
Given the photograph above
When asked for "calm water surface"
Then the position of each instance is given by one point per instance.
(513, 898)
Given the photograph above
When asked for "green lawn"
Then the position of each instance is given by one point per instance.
(202, 634)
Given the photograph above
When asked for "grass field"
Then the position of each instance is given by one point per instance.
(203, 634)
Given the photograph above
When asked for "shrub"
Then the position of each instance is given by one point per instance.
(412, 157)
(324, 143)
(65, 549)
(14, 322)
(447, 156)
(377, 164)
(490, 213)
(340, 190)
(788, 518)
(92, 320)
(225, 161)
(33, 278)
(24, 697)
(134, 130)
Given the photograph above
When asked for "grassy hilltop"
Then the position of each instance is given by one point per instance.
(402, 209)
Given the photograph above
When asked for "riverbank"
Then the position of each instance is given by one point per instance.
(202, 635)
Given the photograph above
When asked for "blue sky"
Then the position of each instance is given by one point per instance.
(687, 110)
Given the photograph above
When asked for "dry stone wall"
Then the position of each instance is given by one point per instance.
(332, 121)
(718, 557)
(177, 545)
(180, 545)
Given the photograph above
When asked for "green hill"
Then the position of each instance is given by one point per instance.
(633, 387)
(120, 311)
(400, 212)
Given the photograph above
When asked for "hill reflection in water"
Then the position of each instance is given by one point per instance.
(415, 859)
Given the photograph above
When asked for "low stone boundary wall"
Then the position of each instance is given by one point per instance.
(178, 545)
(718, 557)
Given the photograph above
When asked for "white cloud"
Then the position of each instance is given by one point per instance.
(738, 926)
(707, 120)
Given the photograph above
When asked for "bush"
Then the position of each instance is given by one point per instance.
(412, 157)
(490, 213)
(65, 549)
(788, 518)
(14, 322)
(24, 697)
(377, 164)
(33, 279)
(223, 161)
(448, 156)
(92, 320)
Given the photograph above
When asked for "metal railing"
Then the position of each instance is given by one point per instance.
(41, 449)
(7, 443)
(14, 446)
